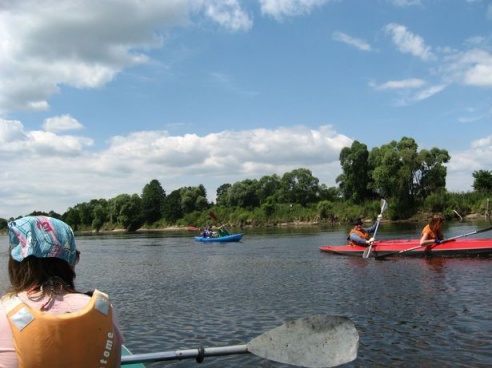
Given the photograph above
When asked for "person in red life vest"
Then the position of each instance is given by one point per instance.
(360, 236)
(44, 320)
(432, 232)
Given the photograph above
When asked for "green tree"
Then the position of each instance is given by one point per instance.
(193, 199)
(268, 187)
(406, 175)
(355, 180)
(300, 186)
(153, 197)
(130, 214)
(222, 194)
(244, 194)
(99, 213)
(172, 209)
(482, 181)
(431, 176)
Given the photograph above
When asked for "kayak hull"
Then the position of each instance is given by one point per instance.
(454, 248)
(220, 239)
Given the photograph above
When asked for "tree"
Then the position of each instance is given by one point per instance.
(482, 181)
(355, 180)
(300, 186)
(193, 199)
(130, 214)
(406, 175)
(268, 187)
(172, 209)
(153, 197)
(244, 194)
(431, 177)
(221, 194)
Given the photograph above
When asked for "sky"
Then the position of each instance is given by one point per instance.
(98, 98)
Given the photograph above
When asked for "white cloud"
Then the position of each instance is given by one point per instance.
(400, 84)
(45, 171)
(280, 9)
(228, 14)
(61, 123)
(404, 3)
(85, 43)
(409, 43)
(349, 40)
(464, 163)
(472, 67)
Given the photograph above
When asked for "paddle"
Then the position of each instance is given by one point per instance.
(319, 341)
(443, 241)
(367, 251)
(213, 215)
(222, 230)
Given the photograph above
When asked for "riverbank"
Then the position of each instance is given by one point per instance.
(422, 218)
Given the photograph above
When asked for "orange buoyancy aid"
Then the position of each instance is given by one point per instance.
(361, 233)
(84, 338)
(430, 233)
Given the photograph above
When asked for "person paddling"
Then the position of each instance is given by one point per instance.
(44, 320)
(360, 236)
(432, 232)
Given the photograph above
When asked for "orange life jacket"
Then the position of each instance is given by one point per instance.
(430, 234)
(361, 233)
(84, 338)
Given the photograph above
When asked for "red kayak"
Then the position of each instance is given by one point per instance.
(411, 248)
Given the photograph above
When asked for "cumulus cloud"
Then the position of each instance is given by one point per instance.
(464, 163)
(59, 171)
(81, 43)
(61, 123)
(409, 43)
(472, 67)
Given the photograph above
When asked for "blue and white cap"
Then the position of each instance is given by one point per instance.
(42, 237)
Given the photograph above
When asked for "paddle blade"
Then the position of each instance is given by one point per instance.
(213, 215)
(319, 341)
(367, 252)
(384, 206)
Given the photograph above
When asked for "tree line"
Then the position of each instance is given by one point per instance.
(411, 181)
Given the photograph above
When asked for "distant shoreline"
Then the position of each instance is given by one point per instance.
(282, 225)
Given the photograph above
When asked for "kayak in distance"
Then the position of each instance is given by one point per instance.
(220, 239)
(411, 248)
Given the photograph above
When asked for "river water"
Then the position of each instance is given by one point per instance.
(174, 293)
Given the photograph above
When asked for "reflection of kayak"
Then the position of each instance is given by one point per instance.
(454, 248)
(125, 352)
(220, 239)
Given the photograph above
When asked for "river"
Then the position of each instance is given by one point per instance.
(174, 293)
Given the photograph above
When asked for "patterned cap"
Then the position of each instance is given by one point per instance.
(41, 236)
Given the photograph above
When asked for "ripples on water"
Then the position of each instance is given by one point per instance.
(174, 293)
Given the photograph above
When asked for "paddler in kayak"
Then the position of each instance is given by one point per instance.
(44, 320)
(432, 232)
(360, 236)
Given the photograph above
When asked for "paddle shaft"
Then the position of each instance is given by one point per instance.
(444, 241)
(199, 353)
(368, 250)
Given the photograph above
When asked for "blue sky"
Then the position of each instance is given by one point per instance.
(99, 98)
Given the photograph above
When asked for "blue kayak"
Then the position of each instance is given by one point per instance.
(220, 239)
